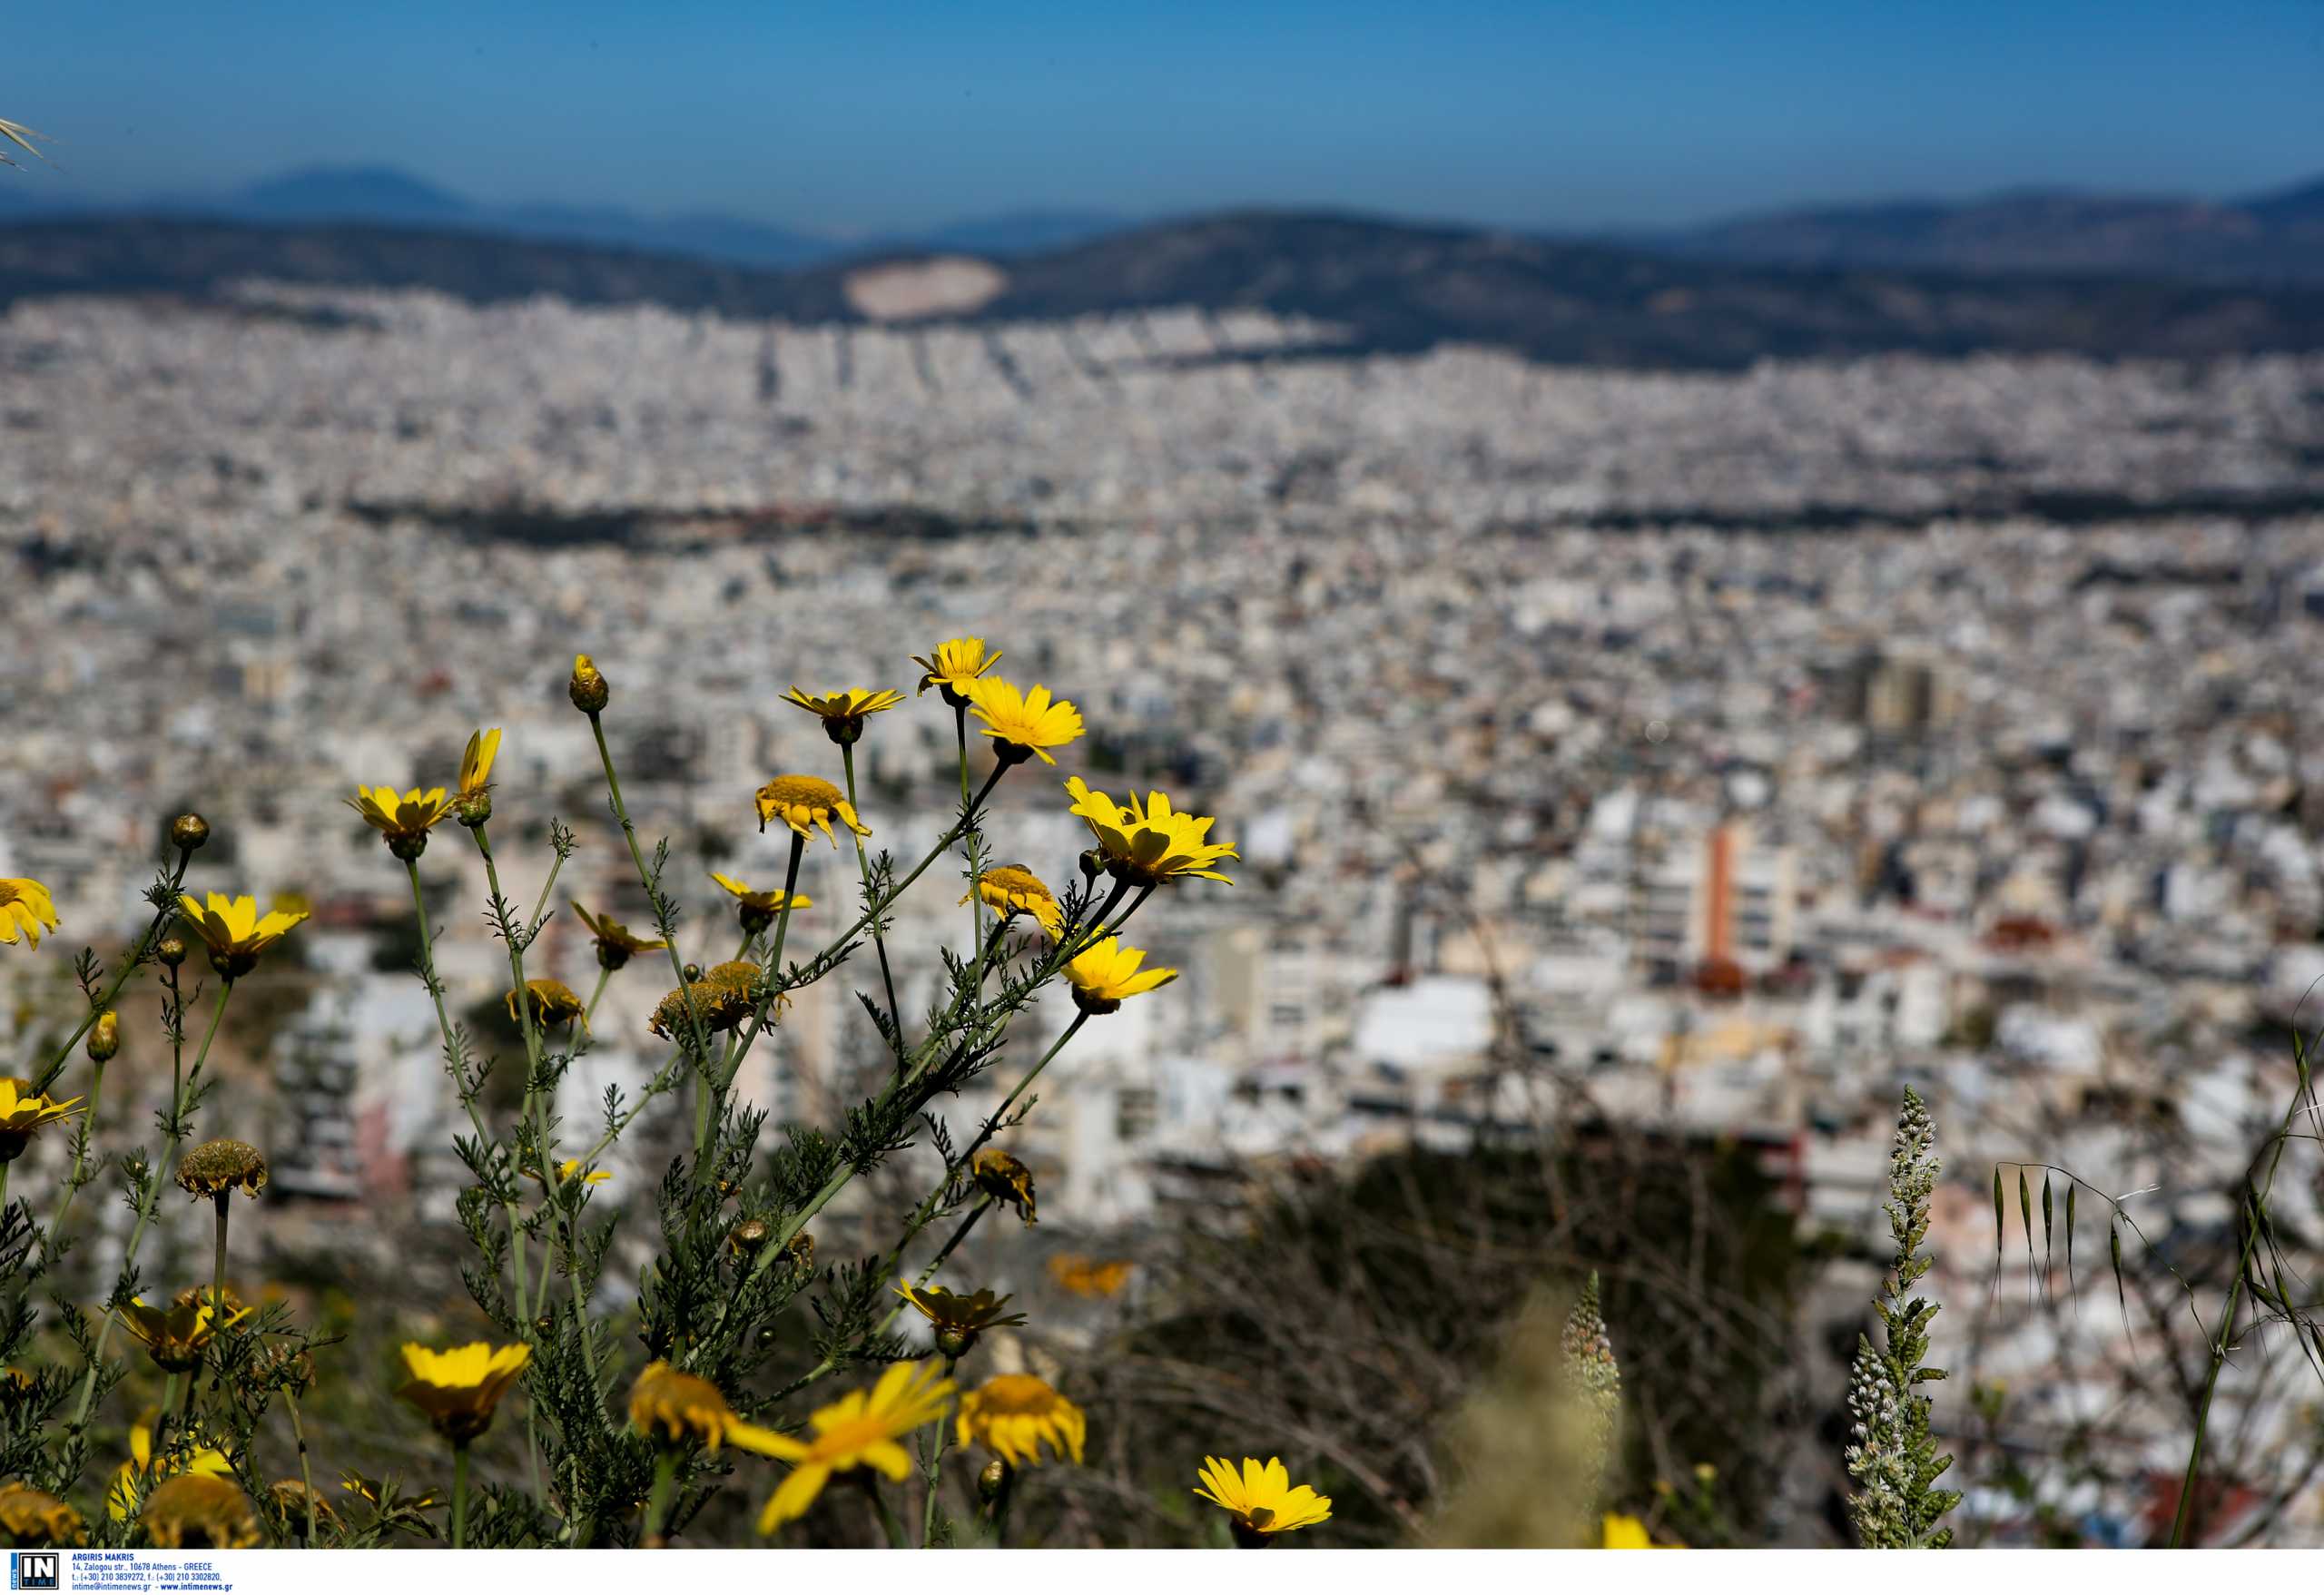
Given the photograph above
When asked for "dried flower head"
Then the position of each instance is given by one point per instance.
(1149, 845)
(1012, 888)
(216, 1168)
(235, 932)
(616, 942)
(954, 667)
(1261, 1500)
(682, 1406)
(460, 1389)
(802, 801)
(725, 996)
(1023, 724)
(24, 906)
(1013, 1415)
(1107, 973)
(200, 1511)
(859, 1430)
(33, 1519)
(292, 1501)
(1005, 1179)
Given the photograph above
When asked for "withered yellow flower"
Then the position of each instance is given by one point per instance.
(177, 1338)
(1023, 724)
(957, 1319)
(758, 909)
(200, 1511)
(1105, 973)
(953, 666)
(460, 1390)
(843, 712)
(31, 1519)
(187, 1454)
(569, 1169)
(216, 1168)
(1012, 888)
(404, 821)
(235, 932)
(26, 906)
(1082, 1276)
(616, 942)
(801, 801)
(1012, 1415)
(1260, 1499)
(1004, 1179)
(553, 1002)
(859, 1430)
(725, 996)
(684, 1406)
(1149, 845)
(22, 1111)
(292, 1501)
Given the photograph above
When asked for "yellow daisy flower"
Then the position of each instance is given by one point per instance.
(22, 1111)
(1105, 972)
(616, 942)
(1147, 846)
(859, 1430)
(686, 1407)
(1080, 1276)
(801, 801)
(200, 1511)
(1012, 888)
(1005, 1179)
(235, 932)
(571, 1166)
(1024, 725)
(953, 666)
(1012, 1414)
(404, 821)
(1620, 1532)
(958, 1320)
(26, 906)
(553, 1002)
(178, 1336)
(459, 1390)
(758, 909)
(843, 712)
(32, 1519)
(1261, 1500)
(140, 1471)
(475, 761)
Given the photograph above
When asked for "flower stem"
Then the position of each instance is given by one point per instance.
(218, 1264)
(459, 1495)
(657, 1504)
(878, 940)
(590, 1012)
(935, 1469)
(129, 966)
(653, 891)
(306, 1473)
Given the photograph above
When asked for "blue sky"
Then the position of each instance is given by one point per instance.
(855, 116)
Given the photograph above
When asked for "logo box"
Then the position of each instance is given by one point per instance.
(35, 1570)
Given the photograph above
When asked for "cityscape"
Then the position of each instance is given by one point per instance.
(1725, 752)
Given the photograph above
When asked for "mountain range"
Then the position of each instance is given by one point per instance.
(2272, 237)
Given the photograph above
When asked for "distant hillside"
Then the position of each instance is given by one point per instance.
(2272, 238)
(1394, 287)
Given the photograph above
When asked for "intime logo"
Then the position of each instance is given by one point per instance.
(33, 1570)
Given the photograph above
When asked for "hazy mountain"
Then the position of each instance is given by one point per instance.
(361, 193)
(2269, 238)
(1391, 287)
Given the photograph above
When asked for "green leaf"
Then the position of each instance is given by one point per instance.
(2025, 1212)
(2046, 1221)
(2001, 1221)
(2071, 1190)
(2114, 1250)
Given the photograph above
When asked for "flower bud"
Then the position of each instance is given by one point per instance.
(587, 689)
(992, 1482)
(1092, 863)
(954, 1342)
(693, 972)
(749, 1235)
(105, 1036)
(171, 952)
(472, 809)
(189, 831)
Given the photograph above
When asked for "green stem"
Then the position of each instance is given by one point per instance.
(653, 891)
(976, 908)
(589, 1014)
(888, 1524)
(459, 1495)
(770, 1004)
(992, 1124)
(158, 1177)
(306, 1474)
(129, 966)
(657, 1504)
(936, 1469)
(879, 940)
(82, 1143)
